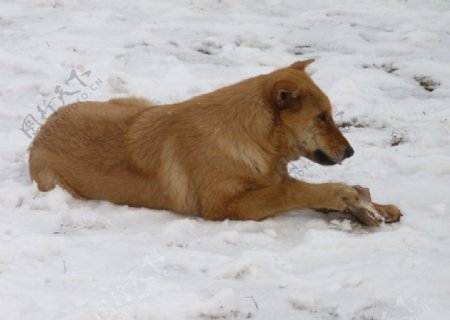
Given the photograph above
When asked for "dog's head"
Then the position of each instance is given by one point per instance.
(303, 113)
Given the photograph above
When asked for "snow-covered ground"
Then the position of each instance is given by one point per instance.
(61, 258)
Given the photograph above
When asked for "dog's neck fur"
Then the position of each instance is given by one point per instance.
(254, 137)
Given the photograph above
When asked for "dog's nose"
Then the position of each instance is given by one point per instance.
(348, 152)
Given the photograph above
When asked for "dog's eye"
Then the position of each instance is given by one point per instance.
(322, 117)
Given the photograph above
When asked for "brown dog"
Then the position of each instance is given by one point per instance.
(222, 155)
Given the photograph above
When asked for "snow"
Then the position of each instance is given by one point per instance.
(62, 258)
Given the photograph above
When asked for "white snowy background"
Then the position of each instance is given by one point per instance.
(61, 258)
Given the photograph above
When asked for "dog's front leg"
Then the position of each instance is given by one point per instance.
(292, 194)
(390, 212)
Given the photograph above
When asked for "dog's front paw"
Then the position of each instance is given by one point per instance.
(390, 212)
(338, 195)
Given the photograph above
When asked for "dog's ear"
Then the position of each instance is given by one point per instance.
(284, 96)
(301, 65)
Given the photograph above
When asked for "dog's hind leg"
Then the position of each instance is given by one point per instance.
(46, 177)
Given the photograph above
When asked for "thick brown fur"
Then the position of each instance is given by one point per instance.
(221, 155)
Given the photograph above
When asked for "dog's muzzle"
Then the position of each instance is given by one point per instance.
(322, 158)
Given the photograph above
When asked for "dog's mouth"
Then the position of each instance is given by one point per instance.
(322, 158)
